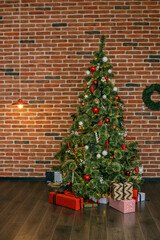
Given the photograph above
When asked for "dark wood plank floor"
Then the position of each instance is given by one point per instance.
(26, 214)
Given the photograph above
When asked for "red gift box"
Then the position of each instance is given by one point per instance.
(135, 194)
(66, 200)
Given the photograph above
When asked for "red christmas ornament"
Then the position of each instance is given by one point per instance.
(87, 177)
(93, 69)
(114, 156)
(136, 169)
(100, 122)
(106, 120)
(92, 89)
(82, 103)
(68, 144)
(95, 82)
(95, 110)
(106, 78)
(71, 169)
(114, 127)
(82, 145)
(123, 146)
(118, 98)
(127, 173)
(69, 184)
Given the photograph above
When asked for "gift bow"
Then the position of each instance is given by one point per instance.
(90, 201)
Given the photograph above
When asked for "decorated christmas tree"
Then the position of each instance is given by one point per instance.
(96, 151)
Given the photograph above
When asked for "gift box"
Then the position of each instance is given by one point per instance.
(66, 200)
(125, 206)
(90, 204)
(141, 197)
(135, 194)
(117, 190)
(128, 190)
(102, 200)
(53, 177)
(122, 191)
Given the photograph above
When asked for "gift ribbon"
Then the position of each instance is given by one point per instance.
(107, 144)
(117, 107)
(90, 201)
(96, 135)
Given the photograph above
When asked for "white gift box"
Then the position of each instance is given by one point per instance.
(141, 196)
(101, 200)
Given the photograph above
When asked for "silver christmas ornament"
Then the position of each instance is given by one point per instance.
(104, 153)
(97, 67)
(104, 96)
(103, 79)
(86, 96)
(80, 123)
(98, 155)
(87, 72)
(101, 180)
(115, 89)
(86, 147)
(141, 170)
(105, 59)
(110, 71)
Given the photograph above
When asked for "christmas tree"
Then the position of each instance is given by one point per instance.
(96, 152)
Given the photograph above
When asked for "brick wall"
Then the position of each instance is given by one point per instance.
(58, 39)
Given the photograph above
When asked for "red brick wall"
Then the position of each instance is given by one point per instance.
(57, 43)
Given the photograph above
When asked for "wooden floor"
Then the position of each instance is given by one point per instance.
(26, 214)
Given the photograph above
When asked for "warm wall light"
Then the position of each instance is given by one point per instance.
(20, 103)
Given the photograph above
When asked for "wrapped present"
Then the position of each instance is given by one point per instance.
(90, 204)
(125, 206)
(117, 190)
(66, 200)
(127, 190)
(102, 200)
(135, 194)
(53, 177)
(141, 197)
(122, 191)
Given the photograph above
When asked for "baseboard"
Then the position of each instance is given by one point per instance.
(151, 179)
(44, 179)
(23, 178)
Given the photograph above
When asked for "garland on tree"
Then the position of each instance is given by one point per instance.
(147, 93)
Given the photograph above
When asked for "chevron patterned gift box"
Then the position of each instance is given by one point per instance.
(117, 190)
(128, 190)
(122, 191)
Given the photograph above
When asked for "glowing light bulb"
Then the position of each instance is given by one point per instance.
(20, 106)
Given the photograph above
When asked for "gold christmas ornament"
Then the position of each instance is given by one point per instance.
(96, 101)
